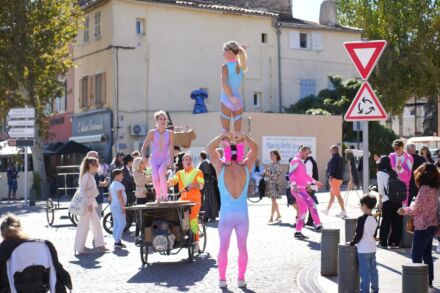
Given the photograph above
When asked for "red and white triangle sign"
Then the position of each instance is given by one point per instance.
(366, 106)
(365, 55)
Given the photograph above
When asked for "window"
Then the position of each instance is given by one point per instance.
(264, 38)
(60, 104)
(100, 84)
(303, 40)
(84, 84)
(97, 25)
(307, 87)
(86, 30)
(256, 100)
(140, 26)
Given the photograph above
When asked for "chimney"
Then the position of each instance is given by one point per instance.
(282, 7)
(327, 15)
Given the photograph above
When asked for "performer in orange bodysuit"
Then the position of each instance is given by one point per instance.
(190, 182)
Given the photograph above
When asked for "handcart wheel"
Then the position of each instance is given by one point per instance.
(74, 219)
(50, 211)
(107, 223)
(202, 236)
(190, 246)
(144, 253)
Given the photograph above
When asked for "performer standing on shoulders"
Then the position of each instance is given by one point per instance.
(231, 100)
(233, 182)
(162, 150)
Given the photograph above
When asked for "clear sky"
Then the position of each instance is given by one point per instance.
(306, 9)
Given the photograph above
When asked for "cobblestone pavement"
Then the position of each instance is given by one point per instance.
(275, 257)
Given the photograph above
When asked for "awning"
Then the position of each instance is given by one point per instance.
(70, 147)
(88, 138)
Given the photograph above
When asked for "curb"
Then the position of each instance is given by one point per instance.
(307, 279)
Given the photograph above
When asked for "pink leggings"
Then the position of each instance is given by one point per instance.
(239, 222)
(304, 202)
(159, 168)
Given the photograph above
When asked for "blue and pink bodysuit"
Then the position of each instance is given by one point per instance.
(406, 161)
(233, 215)
(298, 176)
(234, 81)
(160, 160)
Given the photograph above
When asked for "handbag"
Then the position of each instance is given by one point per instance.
(410, 225)
(78, 203)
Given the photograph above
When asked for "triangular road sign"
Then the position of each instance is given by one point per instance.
(365, 55)
(366, 106)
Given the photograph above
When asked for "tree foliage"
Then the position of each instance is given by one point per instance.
(410, 65)
(35, 36)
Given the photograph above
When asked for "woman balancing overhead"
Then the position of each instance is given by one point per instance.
(231, 100)
(233, 182)
(162, 150)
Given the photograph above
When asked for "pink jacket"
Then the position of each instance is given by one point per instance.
(424, 210)
(405, 176)
(298, 173)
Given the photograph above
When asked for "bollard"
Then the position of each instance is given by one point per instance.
(350, 229)
(407, 238)
(415, 278)
(329, 252)
(348, 271)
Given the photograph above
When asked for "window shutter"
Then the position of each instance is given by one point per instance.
(91, 90)
(81, 93)
(316, 41)
(103, 88)
(294, 39)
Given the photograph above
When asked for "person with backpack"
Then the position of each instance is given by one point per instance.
(402, 164)
(390, 218)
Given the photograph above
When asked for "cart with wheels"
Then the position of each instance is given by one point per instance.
(66, 185)
(165, 229)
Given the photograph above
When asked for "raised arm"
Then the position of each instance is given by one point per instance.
(147, 141)
(213, 155)
(252, 154)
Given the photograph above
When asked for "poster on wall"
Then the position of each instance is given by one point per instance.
(287, 146)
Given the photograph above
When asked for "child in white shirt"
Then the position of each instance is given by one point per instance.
(117, 206)
(365, 242)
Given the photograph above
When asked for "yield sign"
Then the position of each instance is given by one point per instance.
(365, 55)
(366, 106)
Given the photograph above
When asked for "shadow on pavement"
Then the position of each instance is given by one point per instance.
(389, 268)
(189, 273)
(120, 252)
(88, 260)
(313, 245)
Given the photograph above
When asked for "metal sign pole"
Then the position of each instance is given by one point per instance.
(26, 187)
(365, 166)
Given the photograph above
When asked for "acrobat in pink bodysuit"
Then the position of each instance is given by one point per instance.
(162, 144)
(299, 179)
(404, 173)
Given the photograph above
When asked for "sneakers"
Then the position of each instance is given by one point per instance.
(325, 212)
(120, 245)
(318, 228)
(222, 284)
(342, 214)
(241, 284)
(299, 235)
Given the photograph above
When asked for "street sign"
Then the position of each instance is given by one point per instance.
(365, 55)
(22, 113)
(24, 142)
(366, 106)
(22, 132)
(22, 123)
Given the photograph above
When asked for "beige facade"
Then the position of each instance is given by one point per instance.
(150, 56)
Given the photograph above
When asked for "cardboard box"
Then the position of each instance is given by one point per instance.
(148, 233)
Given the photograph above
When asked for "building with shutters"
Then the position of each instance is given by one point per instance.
(135, 57)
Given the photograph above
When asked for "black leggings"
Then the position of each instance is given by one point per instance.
(390, 219)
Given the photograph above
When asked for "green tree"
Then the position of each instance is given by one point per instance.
(410, 65)
(35, 36)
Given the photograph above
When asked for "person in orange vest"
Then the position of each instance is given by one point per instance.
(191, 183)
